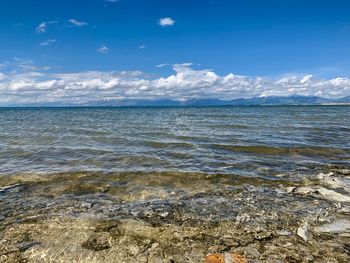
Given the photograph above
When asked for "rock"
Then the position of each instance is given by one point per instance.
(97, 242)
(289, 189)
(251, 251)
(26, 245)
(236, 258)
(283, 233)
(332, 195)
(8, 188)
(344, 209)
(303, 232)
(304, 190)
(331, 181)
(215, 258)
(225, 258)
(133, 249)
(155, 246)
(338, 226)
(288, 244)
(156, 259)
(207, 216)
(323, 192)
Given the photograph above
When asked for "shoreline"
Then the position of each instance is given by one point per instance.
(171, 217)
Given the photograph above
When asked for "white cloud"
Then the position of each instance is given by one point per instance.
(162, 65)
(22, 65)
(41, 28)
(103, 49)
(33, 84)
(2, 76)
(142, 46)
(167, 21)
(48, 42)
(77, 23)
(111, 1)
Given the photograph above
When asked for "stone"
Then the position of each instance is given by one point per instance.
(325, 193)
(332, 195)
(338, 226)
(133, 249)
(97, 242)
(215, 258)
(251, 251)
(303, 232)
(331, 181)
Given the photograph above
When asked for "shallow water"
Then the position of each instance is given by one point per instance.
(174, 184)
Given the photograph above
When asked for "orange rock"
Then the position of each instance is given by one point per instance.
(215, 258)
(225, 258)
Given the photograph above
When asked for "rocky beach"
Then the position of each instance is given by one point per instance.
(173, 217)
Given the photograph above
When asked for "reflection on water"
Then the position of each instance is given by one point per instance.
(250, 141)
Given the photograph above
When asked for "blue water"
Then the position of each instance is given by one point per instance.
(251, 141)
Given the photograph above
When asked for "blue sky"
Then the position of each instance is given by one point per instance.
(268, 39)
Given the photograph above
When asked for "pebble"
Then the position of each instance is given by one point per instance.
(252, 252)
(303, 232)
(133, 249)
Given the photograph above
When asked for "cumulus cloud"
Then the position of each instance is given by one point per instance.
(103, 49)
(167, 21)
(48, 42)
(185, 83)
(75, 22)
(41, 28)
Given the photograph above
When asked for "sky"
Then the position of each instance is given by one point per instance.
(80, 51)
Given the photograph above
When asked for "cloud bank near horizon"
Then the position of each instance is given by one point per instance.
(32, 84)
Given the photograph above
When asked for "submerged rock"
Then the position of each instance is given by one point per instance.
(332, 181)
(333, 195)
(320, 191)
(98, 242)
(337, 226)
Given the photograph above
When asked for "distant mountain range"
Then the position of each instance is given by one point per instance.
(273, 100)
(344, 100)
(256, 101)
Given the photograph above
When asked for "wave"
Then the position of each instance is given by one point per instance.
(270, 150)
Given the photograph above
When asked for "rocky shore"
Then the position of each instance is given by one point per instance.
(174, 217)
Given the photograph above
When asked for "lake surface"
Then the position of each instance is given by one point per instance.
(251, 141)
(175, 184)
